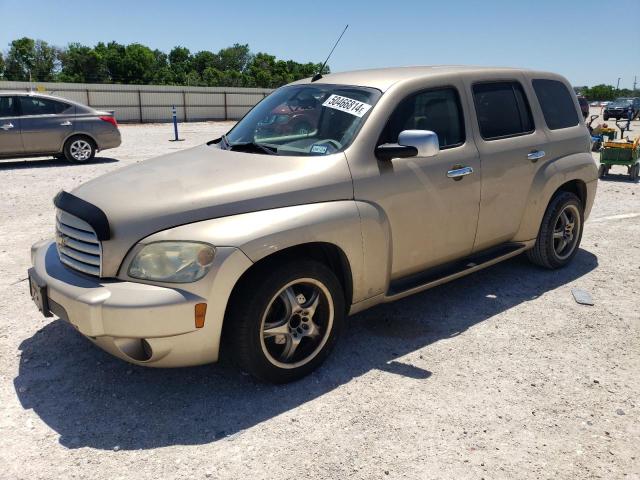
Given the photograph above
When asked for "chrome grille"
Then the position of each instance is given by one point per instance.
(78, 245)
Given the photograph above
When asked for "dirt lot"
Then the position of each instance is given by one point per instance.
(498, 375)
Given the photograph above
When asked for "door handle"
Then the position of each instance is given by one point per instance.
(66, 124)
(7, 126)
(459, 171)
(535, 155)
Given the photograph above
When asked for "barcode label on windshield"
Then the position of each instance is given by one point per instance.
(348, 105)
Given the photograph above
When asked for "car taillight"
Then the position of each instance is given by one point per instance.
(111, 120)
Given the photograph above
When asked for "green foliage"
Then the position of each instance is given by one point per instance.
(137, 64)
(607, 92)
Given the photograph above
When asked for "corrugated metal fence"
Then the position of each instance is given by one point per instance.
(153, 103)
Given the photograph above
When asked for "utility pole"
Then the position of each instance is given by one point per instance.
(618, 85)
(635, 81)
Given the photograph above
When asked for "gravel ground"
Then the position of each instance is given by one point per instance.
(497, 375)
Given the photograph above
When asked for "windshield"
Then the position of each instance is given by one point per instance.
(304, 120)
(622, 101)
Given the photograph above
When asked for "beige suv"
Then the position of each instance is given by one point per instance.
(261, 242)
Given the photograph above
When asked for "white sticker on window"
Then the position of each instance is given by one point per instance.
(319, 149)
(346, 104)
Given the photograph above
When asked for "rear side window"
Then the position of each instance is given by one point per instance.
(436, 110)
(41, 106)
(557, 104)
(7, 106)
(503, 110)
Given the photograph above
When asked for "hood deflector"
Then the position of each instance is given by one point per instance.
(84, 211)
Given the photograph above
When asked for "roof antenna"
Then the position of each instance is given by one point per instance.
(318, 75)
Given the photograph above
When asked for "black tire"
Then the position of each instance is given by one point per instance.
(544, 253)
(261, 297)
(605, 117)
(602, 171)
(634, 172)
(79, 149)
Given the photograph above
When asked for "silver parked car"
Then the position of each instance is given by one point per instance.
(35, 125)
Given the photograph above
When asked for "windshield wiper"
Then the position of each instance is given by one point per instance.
(252, 146)
(223, 137)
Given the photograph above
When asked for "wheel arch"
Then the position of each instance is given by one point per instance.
(81, 133)
(575, 173)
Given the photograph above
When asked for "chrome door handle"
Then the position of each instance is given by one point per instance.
(66, 124)
(535, 155)
(7, 126)
(458, 173)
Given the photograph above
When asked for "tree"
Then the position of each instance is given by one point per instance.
(45, 61)
(234, 58)
(205, 59)
(20, 59)
(113, 62)
(601, 92)
(138, 64)
(83, 64)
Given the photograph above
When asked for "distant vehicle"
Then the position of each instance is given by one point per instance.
(619, 108)
(36, 125)
(604, 104)
(594, 104)
(584, 106)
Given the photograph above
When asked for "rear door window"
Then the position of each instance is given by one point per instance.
(437, 110)
(7, 106)
(41, 106)
(502, 109)
(557, 104)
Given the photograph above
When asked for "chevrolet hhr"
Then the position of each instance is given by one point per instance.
(260, 243)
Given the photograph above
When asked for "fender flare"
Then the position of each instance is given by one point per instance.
(548, 179)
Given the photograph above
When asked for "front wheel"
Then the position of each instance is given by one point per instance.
(560, 233)
(284, 321)
(79, 149)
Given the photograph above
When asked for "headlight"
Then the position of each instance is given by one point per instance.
(175, 262)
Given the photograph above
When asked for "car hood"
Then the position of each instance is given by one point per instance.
(202, 183)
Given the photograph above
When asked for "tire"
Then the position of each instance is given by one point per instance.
(634, 172)
(605, 117)
(602, 171)
(79, 149)
(548, 251)
(300, 302)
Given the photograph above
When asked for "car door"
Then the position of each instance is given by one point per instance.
(10, 140)
(510, 148)
(432, 217)
(46, 123)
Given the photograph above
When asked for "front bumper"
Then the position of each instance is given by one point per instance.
(140, 323)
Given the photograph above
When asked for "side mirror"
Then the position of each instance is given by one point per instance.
(411, 143)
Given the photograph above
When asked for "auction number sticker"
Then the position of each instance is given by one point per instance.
(346, 104)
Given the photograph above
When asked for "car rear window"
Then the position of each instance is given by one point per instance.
(41, 106)
(502, 109)
(557, 104)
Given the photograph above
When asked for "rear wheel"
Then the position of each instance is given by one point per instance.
(603, 171)
(635, 172)
(284, 321)
(560, 233)
(79, 149)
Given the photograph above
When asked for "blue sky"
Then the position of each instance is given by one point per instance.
(542, 34)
